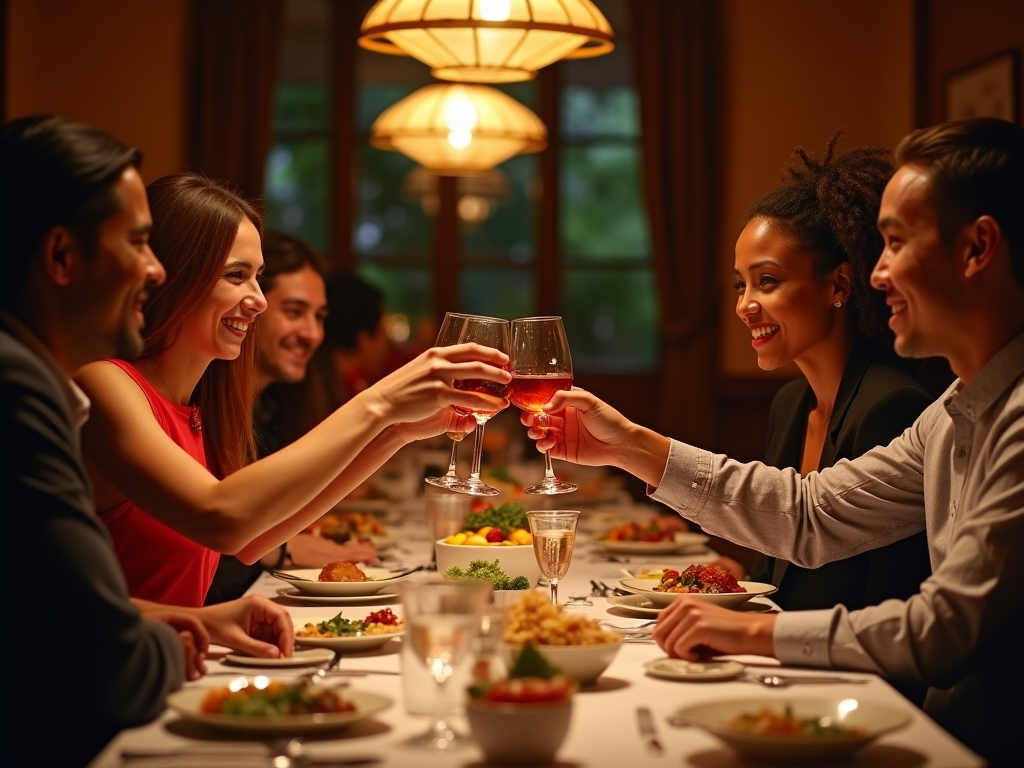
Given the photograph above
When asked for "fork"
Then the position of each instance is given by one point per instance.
(648, 732)
(629, 628)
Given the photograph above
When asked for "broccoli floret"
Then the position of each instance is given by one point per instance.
(481, 570)
(519, 582)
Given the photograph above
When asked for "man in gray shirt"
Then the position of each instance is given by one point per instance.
(77, 268)
(952, 218)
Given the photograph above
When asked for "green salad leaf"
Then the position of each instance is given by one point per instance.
(530, 663)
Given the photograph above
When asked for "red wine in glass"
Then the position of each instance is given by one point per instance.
(483, 386)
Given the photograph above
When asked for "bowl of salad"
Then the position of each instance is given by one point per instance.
(794, 730)
(492, 534)
(524, 718)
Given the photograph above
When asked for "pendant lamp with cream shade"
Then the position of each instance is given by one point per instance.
(458, 129)
(487, 41)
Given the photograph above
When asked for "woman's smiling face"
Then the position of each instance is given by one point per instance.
(222, 320)
(787, 307)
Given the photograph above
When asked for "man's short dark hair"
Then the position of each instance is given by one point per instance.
(54, 172)
(354, 305)
(976, 168)
(284, 254)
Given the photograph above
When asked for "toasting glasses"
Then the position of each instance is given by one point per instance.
(488, 332)
(541, 366)
(449, 334)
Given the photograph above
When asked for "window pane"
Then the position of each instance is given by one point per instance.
(296, 189)
(611, 319)
(599, 112)
(406, 291)
(603, 213)
(507, 232)
(301, 109)
(385, 221)
(504, 293)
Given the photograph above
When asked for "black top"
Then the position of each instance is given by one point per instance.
(877, 400)
(128, 665)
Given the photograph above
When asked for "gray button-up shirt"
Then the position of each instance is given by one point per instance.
(957, 472)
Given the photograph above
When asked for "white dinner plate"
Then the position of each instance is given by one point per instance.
(188, 701)
(873, 720)
(293, 594)
(642, 605)
(349, 644)
(303, 657)
(306, 582)
(725, 599)
(694, 671)
(683, 541)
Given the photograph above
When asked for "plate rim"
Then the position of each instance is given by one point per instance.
(721, 597)
(335, 599)
(735, 671)
(237, 658)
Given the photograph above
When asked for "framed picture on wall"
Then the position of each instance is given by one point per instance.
(989, 88)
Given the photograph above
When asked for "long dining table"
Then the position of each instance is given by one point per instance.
(604, 729)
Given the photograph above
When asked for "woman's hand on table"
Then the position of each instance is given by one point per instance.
(583, 429)
(691, 628)
(309, 551)
(252, 625)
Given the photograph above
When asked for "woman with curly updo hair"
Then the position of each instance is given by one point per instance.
(803, 264)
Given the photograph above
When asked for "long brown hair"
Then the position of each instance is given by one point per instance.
(195, 222)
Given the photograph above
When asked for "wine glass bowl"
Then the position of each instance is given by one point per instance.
(489, 332)
(541, 366)
(554, 536)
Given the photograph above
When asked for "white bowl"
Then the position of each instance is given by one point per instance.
(873, 719)
(518, 560)
(519, 733)
(583, 663)
(645, 587)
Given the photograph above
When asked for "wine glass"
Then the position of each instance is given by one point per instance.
(451, 328)
(554, 534)
(488, 332)
(541, 366)
(442, 620)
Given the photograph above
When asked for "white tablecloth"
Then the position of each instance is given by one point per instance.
(603, 731)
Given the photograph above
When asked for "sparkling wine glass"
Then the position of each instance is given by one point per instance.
(554, 534)
(451, 328)
(541, 366)
(488, 332)
(442, 620)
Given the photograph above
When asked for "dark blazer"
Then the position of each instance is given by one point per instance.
(877, 400)
(125, 666)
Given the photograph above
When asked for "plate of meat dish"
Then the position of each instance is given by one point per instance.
(648, 539)
(340, 579)
(350, 635)
(708, 582)
(264, 706)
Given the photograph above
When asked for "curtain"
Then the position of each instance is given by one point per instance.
(677, 44)
(235, 50)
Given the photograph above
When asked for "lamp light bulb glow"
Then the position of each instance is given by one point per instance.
(495, 10)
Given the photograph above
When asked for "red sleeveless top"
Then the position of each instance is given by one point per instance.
(159, 563)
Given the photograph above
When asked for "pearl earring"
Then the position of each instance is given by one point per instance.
(837, 303)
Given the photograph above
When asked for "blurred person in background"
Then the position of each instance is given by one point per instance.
(357, 336)
(292, 398)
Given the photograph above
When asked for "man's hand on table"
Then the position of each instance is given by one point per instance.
(691, 628)
(252, 625)
(195, 640)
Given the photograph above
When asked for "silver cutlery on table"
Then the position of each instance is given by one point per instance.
(648, 731)
(780, 681)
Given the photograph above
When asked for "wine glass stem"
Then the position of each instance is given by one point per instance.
(549, 471)
(441, 710)
(554, 591)
(451, 463)
(478, 448)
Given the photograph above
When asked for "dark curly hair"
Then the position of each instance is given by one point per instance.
(830, 207)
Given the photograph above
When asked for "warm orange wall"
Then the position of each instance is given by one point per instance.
(797, 70)
(118, 64)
